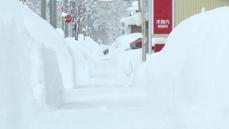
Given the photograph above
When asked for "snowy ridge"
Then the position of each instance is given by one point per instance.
(190, 74)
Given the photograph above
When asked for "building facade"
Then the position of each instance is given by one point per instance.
(187, 8)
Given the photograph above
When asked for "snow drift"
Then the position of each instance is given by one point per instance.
(35, 66)
(15, 91)
(44, 35)
(188, 80)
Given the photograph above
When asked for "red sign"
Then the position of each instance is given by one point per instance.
(68, 18)
(163, 16)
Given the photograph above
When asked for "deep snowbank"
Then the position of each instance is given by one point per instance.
(32, 55)
(122, 43)
(15, 92)
(126, 59)
(188, 80)
(82, 60)
(35, 66)
(44, 35)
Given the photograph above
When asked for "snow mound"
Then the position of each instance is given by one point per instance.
(60, 32)
(135, 19)
(46, 36)
(123, 42)
(35, 66)
(16, 101)
(87, 47)
(124, 58)
(188, 80)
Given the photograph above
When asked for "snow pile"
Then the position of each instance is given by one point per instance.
(158, 40)
(124, 58)
(45, 36)
(16, 101)
(91, 48)
(60, 32)
(82, 59)
(33, 53)
(87, 48)
(188, 80)
(122, 43)
(134, 19)
(35, 64)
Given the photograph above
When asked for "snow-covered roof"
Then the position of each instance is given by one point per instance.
(132, 20)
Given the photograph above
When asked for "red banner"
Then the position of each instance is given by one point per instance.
(163, 16)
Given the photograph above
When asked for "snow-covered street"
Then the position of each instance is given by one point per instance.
(71, 81)
(94, 78)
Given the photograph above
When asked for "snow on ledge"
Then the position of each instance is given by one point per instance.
(132, 20)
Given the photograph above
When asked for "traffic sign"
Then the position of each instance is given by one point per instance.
(68, 18)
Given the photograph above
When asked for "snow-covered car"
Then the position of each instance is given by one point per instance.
(157, 47)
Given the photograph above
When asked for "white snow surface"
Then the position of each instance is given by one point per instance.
(40, 70)
(61, 32)
(92, 68)
(125, 58)
(188, 81)
(134, 19)
(40, 31)
(34, 65)
(122, 43)
(37, 77)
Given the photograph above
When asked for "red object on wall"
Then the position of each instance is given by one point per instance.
(163, 16)
(158, 47)
(68, 18)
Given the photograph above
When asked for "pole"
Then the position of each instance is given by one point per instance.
(62, 22)
(139, 5)
(144, 40)
(174, 13)
(43, 9)
(150, 26)
(51, 12)
(66, 29)
(54, 14)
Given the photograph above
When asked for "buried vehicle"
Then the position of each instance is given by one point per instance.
(157, 44)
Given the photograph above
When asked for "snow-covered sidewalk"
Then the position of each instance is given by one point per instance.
(98, 79)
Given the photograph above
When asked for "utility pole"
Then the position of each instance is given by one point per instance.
(53, 13)
(139, 5)
(150, 26)
(43, 9)
(144, 39)
(66, 9)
